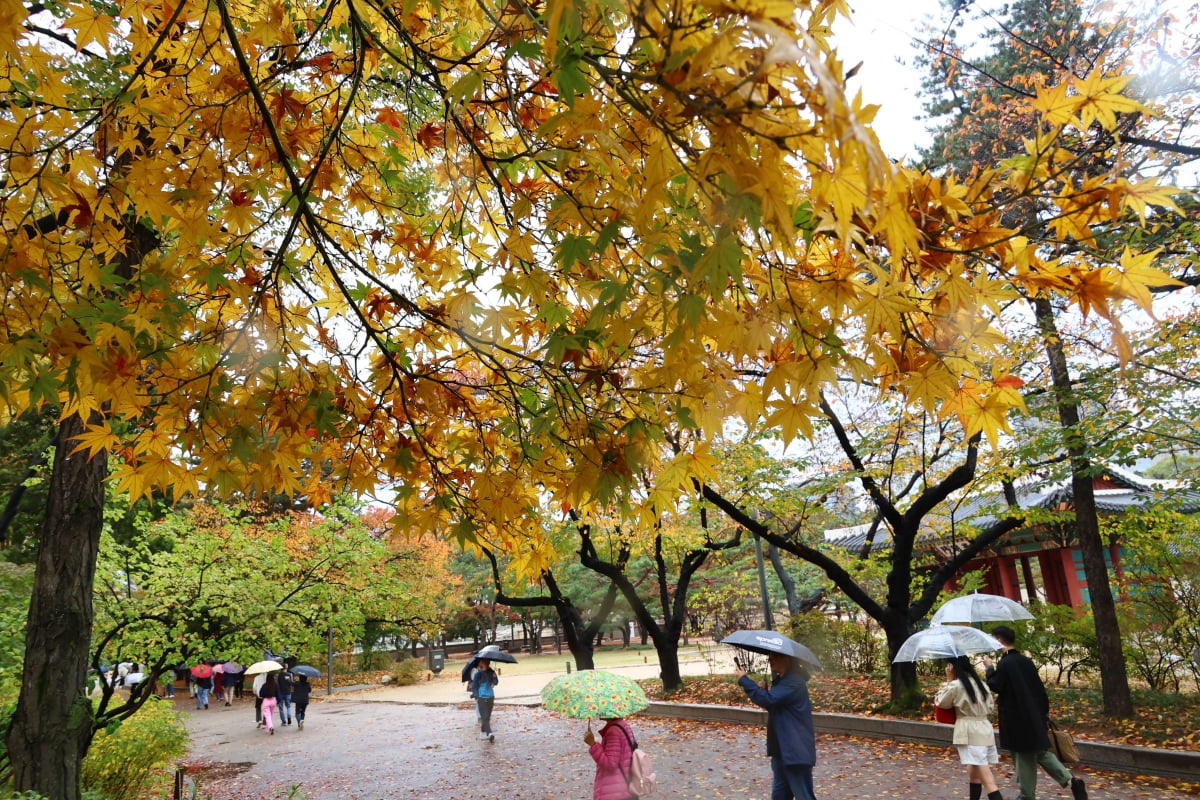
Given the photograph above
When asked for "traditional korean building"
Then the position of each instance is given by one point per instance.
(1041, 561)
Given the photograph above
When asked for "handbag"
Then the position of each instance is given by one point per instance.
(1061, 743)
(946, 715)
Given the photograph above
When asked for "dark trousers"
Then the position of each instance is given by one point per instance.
(792, 782)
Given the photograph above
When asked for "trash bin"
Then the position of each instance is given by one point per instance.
(437, 661)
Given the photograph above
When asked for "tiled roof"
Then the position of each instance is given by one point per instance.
(1131, 490)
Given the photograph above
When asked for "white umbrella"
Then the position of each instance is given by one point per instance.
(946, 641)
(980, 608)
(263, 666)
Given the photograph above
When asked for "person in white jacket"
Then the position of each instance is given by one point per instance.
(966, 693)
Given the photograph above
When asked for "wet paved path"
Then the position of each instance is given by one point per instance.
(382, 748)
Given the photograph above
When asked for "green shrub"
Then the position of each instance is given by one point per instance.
(1060, 640)
(843, 646)
(129, 759)
(408, 672)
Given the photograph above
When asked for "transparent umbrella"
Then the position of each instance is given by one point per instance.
(261, 667)
(946, 641)
(980, 608)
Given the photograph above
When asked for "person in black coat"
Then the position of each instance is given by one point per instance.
(1023, 709)
(301, 692)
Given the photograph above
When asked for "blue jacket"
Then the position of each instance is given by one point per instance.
(790, 734)
(483, 681)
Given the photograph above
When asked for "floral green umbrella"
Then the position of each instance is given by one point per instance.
(593, 694)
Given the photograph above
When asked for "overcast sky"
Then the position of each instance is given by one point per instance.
(882, 31)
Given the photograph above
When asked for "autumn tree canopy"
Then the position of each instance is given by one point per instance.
(375, 237)
(491, 255)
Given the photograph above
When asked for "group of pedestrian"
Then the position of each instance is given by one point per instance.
(284, 692)
(1019, 697)
(1013, 687)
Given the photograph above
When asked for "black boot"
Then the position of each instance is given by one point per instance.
(976, 790)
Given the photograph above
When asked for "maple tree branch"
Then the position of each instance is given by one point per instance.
(1170, 147)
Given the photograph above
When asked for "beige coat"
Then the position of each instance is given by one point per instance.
(971, 724)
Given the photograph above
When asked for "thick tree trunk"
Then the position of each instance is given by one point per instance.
(1114, 680)
(905, 687)
(52, 726)
(667, 647)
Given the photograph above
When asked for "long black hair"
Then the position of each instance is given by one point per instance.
(968, 677)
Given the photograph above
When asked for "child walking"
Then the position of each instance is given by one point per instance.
(485, 696)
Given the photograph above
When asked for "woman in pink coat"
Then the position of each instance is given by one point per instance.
(612, 754)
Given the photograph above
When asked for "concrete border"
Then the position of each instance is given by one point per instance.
(1175, 764)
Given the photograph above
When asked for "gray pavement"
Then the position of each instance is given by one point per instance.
(422, 741)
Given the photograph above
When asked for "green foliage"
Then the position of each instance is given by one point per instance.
(850, 647)
(16, 587)
(1060, 640)
(239, 578)
(25, 454)
(1160, 604)
(408, 672)
(129, 758)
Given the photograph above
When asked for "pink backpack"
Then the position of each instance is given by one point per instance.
(641, 778)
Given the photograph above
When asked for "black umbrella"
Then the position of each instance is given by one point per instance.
(307, 671)
(771, 642)
(491, 653)
(494, 653)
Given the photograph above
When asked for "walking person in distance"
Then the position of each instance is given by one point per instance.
(482, 683)
(270, 699)
(300, 694)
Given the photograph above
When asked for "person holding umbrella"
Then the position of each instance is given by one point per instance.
(301, 691)
(596, 694)
(202, 673)
(483, 682)
(791, 738)
(1023, 708)
(966, 693)
(613, 754)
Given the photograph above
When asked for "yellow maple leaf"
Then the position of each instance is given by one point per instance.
(1058, 107)
(1139, 196)
(792, 419)
(1102, 100)
(1137, 276)
(96, 438)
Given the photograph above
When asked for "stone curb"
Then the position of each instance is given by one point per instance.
(1174, 764)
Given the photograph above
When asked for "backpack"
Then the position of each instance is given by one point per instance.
(641, 778)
